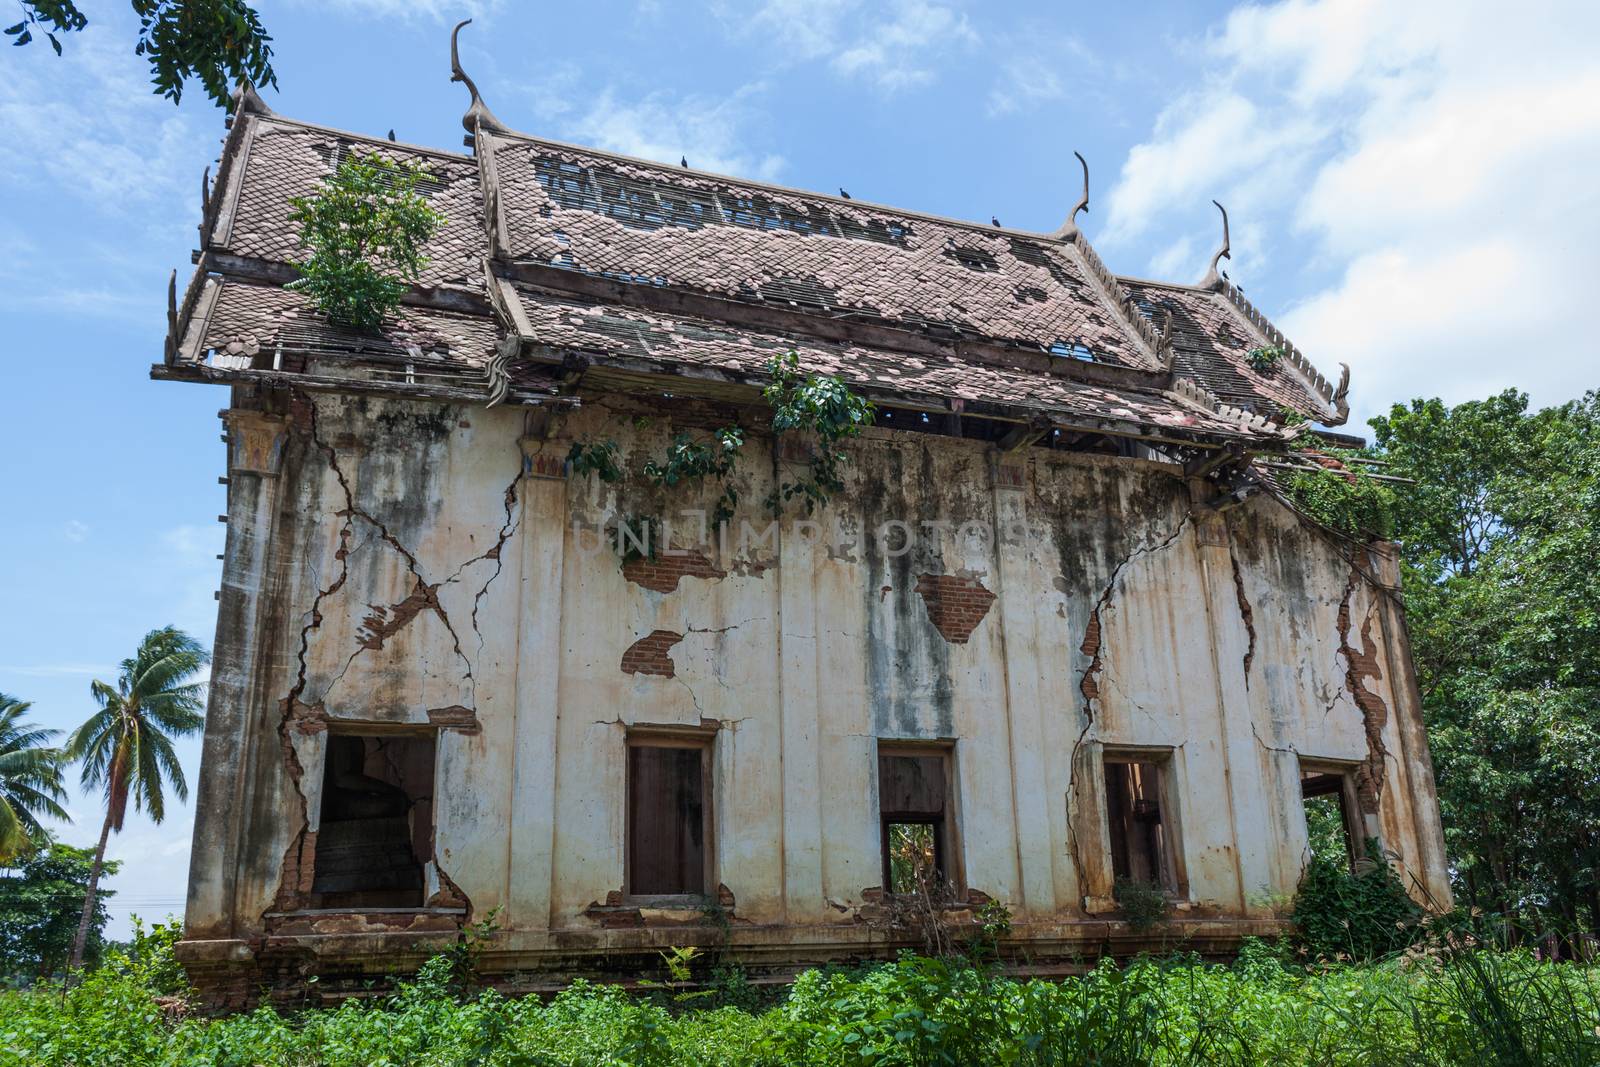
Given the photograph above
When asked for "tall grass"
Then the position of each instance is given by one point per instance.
(1475, 1007)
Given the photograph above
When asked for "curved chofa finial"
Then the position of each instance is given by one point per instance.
(478, 113)
(246, 101)
(1069, 230)
(1341, 398)
(1213, 280)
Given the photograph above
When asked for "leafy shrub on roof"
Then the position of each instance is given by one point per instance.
(365, 229)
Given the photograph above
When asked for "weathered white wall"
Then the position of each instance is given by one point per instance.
(430, 559)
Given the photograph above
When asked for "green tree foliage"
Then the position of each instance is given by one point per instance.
(1502, 534)
(365, 229)
(218, 42)
(30, 779)
(39, 901)
(125, 748)
(1360, 915)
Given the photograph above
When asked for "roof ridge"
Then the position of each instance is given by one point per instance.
(1159, 343)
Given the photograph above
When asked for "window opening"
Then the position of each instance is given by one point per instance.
(915, 816)
(375, 831)
(1140, 836)
(1330, 828)
(668, 817)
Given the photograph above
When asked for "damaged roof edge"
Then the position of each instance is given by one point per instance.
(1253, 319)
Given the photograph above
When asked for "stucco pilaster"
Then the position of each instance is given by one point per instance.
(255, 456)
(801, 737)
(542, 542)
(1015, 592)
(1247, 791)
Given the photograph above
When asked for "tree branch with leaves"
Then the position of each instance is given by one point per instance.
(217, 42)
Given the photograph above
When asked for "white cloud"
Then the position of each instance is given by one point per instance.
(85, 126)
(75, 530)
(902, 52)
(1023, 82)
(804, 29)
(892, 46)
(665, 128)
(1434, 159)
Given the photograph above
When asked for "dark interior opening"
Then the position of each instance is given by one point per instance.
(912, 809)
(376, 829)
(667, 820)
(1328, 823)
(1134, 815)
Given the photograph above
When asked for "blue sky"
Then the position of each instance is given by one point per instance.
(1411, 185)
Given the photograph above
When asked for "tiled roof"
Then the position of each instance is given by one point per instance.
(549, 251)
(281, 160)
(683, 345)
(678, 229)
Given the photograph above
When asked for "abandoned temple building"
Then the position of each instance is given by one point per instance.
(1057, 629)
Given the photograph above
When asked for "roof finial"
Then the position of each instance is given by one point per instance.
(1069, 230)
(478, 113)
(246, 101)
(1213, 280)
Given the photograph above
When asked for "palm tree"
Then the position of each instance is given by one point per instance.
(30, 779)
(126, 746)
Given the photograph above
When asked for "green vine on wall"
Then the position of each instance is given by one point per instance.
(365, 228)
(821, 406)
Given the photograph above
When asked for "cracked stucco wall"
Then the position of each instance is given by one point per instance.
(426, 567)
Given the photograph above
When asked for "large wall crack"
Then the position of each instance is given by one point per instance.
(1360, 666)
(1093, 647)
(1246, 613)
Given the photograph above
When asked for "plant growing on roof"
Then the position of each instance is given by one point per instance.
(365, 229)
(1265, 358)
(813, 404)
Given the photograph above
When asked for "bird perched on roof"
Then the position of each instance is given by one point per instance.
(391, 135)
(994, 220)
(683, 161)
(843, 193)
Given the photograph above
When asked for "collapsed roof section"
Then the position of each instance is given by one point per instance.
(559, 269)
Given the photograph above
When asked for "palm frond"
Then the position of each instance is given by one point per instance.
(126, 747)
(14, 838)
(30, 777)
(166, 758)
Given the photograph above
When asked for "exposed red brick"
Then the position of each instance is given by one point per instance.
(299, 871)
(1090, 686)
(382, 623)
(955, 605)
(663, 573)
(649, 654)
(1360, 665)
